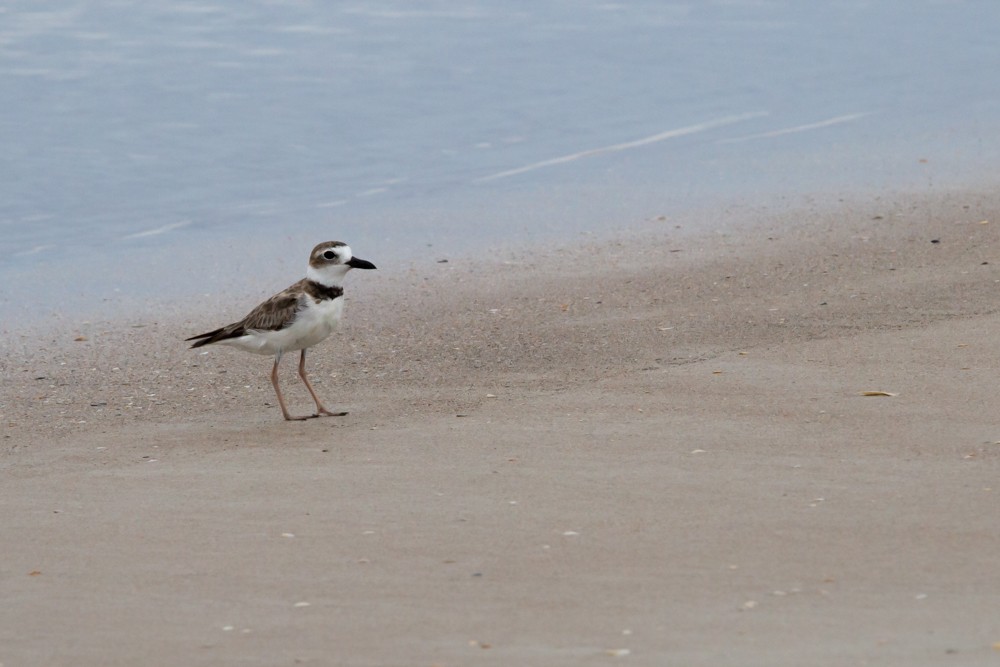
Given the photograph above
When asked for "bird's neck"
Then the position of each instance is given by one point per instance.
(328, 278)
(321, 292)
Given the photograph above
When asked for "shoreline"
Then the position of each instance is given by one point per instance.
(656, 445)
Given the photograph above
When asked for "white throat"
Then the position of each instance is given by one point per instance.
(330, 276)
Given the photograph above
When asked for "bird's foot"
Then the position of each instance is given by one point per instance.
(323, 412)
(299, 419)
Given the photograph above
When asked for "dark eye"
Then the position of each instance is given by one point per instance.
(329, 254)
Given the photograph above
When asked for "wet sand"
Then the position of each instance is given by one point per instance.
(649, 451)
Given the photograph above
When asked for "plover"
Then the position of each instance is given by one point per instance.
(296, 318)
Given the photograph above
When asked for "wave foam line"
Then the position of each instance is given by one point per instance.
(662, 136)
(159, 230)
(837, 120)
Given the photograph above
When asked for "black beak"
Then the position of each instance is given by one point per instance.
(356, 263)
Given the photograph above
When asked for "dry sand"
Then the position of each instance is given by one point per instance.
(654, 451)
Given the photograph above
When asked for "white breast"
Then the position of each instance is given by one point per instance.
(313, 323)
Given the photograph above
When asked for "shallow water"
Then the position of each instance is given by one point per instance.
(158, 149)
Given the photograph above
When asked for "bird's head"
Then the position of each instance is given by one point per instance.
(330, 261)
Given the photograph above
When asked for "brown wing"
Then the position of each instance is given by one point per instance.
(277, 312)
(272, 315)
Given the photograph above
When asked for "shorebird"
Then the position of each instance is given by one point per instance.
(296, 318)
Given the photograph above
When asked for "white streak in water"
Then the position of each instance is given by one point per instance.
(34, 251)
(837, 120)
(159, 230)
(662, 136)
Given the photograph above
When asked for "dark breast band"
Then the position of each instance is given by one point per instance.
(321, 292)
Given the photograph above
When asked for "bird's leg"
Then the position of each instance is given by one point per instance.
(320, 410)
(277, 391)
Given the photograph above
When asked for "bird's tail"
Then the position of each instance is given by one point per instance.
(205, 338)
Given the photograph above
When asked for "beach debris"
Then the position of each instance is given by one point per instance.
(570, 533)
(878, 393)
(618, 652)
(302, 604)
(34, 573)
(80, 339)
(698, 451)
(935, 240)
(750, 604)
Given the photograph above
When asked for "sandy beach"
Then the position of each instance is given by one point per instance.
(655, 450)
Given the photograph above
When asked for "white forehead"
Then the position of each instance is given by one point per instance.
(341, 251)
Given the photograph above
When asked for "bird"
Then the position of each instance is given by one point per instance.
(296, 318)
